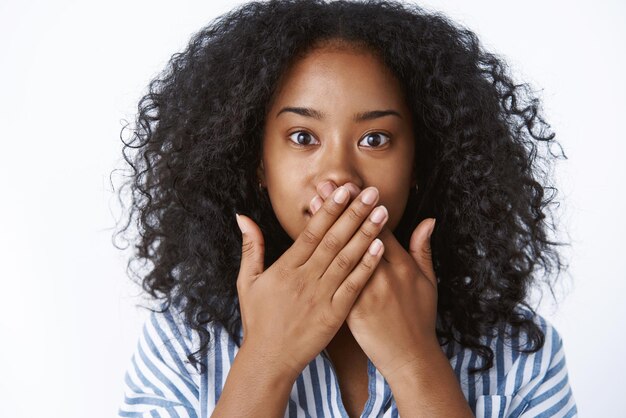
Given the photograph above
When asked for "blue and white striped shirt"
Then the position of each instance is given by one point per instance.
(160, 382)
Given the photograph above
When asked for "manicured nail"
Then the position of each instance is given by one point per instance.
(369, 196)
(375, 247)
(352, 188)
(326, 189)
(379, 214)
(242, 227)
(432, 228)
(316, 203)
(341, 195)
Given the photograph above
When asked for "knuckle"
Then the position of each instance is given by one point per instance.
(351, 287)
(343, 262)
(355, 214)
(367, 233)
(247, 247)
(309, 237)
(367, 265)
(331, 242)
(332, 210)
(403, 270)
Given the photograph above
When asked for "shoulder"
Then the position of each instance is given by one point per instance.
(539, 381)
(170, 328)
(520, 379)
(515, 353)
(160, 379)
(167, 340)
(518, 345)
(509, 339)
(510, 346)
(533, 383)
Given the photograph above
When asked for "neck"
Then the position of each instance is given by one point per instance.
(343, 344)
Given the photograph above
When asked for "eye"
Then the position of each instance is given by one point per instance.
(375, 139)
(301, 138)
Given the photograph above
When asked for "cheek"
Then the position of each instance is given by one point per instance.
(284, 192)
(394, 184)
(291, 219)
(395, 201)
(394, 190)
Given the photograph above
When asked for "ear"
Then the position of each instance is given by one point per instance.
(260, 173)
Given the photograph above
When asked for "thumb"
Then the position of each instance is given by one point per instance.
(252, 248)
(420, 249)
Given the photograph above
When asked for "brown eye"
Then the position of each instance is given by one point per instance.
(375, 139)
(301, 138)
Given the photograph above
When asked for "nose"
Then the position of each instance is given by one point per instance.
(338, 163)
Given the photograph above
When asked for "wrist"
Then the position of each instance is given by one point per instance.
(254, 383)
(271, 367)
(429, 385)
(419, 365)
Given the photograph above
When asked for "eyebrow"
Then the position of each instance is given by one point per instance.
(359, 117)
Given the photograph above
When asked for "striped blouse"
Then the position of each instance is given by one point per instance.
(160, 382)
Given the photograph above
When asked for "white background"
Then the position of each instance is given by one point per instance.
(71, 71)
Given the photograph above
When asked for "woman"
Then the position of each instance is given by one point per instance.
(268, 110)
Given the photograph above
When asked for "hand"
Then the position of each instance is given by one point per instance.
(394, 317)
(292, 310)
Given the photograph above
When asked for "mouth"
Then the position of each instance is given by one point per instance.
(307, 213)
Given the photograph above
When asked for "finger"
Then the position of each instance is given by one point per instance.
(252, 248)
(342, 231)
(420, 249)
(394, 251)
(353, 252)
(308, 240)
(351, 287)
(354, 189)
(324, 189)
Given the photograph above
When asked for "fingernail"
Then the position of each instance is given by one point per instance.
(353, 188)
(326, 189)
(375, 247)
(242, 227)
(341, 195)
(369, 196)
(316, 203)
(432, 228)
(379, 214)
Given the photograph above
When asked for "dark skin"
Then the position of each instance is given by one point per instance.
(304, 148)
(426, 386)
(339, 118)
(374, 152)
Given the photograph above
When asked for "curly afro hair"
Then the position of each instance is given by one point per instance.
(483, 155)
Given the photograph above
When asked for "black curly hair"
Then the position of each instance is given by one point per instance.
(483, 153)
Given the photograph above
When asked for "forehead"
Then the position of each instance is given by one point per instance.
(342, 73)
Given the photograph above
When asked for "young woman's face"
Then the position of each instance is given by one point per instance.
(338, 115)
